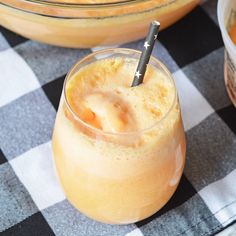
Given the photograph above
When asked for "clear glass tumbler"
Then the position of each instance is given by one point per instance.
(109, 176)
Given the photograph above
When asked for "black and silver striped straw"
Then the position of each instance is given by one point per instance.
(146, 53)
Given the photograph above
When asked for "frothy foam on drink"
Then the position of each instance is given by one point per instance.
(100, 94)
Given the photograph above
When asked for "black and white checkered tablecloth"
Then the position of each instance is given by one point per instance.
(31, 77)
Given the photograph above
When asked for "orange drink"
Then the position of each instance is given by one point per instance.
(119, 150)
(232, 32)
(89, 23)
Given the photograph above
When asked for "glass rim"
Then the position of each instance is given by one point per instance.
(86, 4)
(119, 2)
(66, 7)
(116, 50)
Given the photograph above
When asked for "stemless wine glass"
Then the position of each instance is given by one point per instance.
(107, 175)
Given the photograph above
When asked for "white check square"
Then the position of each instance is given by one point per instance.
(3, 43)
(136, 232)
(194, 106)
(35, 170)
(220, 197)
(16, 77)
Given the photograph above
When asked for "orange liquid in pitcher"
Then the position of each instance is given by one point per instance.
(232, 32)
(120, 154)
(86, 27)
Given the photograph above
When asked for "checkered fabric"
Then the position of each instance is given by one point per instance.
(31, 78)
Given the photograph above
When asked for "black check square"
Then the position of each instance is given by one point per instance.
(53, 90)
(2, 157)
(228, 115)
(34, 225)
(193, 37)
(12, 38)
